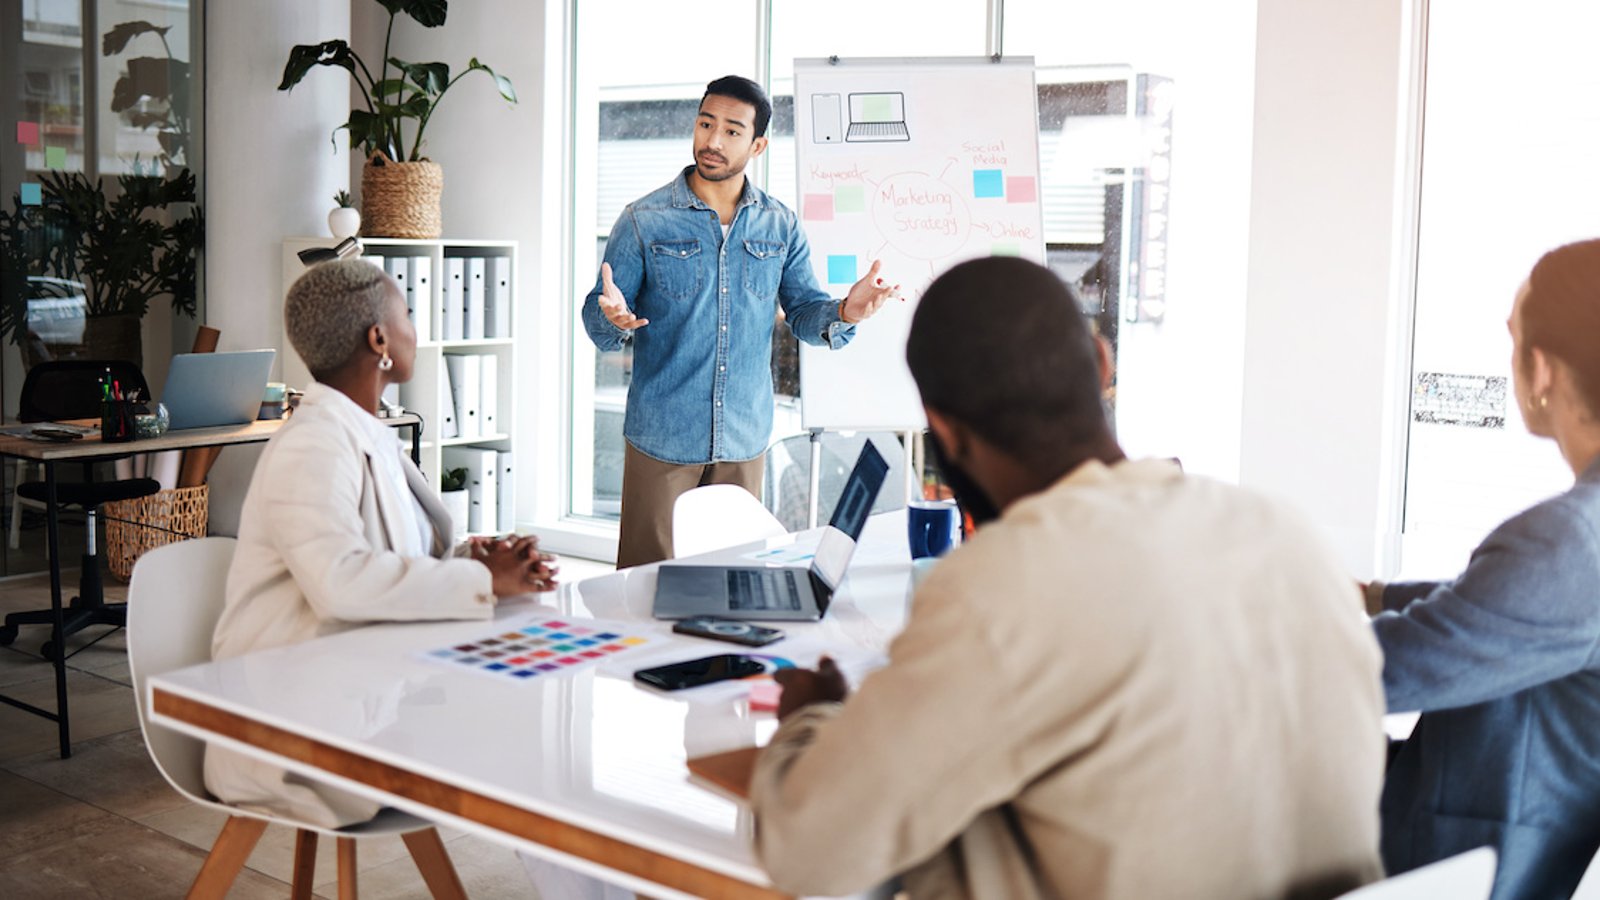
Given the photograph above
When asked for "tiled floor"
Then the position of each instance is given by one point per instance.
(104, 824)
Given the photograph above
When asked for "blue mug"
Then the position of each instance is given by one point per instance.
(932, 527)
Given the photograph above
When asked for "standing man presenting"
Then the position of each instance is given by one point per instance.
(693, 276)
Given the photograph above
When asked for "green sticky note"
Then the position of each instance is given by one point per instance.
(1006, 249)
(849, 198)
(55, 157)
(877, 108)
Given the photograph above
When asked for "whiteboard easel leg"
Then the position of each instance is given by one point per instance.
(816, 478)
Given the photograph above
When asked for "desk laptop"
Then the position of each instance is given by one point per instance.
(209, 389)
(779, 593)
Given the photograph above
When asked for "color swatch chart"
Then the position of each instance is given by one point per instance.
(544, 647)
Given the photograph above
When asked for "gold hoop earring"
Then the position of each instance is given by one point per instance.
(384, 362)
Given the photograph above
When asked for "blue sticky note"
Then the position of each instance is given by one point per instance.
(841, 270)
(32, 193)
(988, 183)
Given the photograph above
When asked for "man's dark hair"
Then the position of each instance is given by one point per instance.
(745, 91)
(999, 344)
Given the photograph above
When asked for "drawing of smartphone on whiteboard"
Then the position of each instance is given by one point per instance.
(827, 119)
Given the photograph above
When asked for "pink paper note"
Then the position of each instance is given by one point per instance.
(1021, 189)
(28, 133)
(818, 208)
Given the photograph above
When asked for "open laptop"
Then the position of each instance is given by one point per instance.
(782, 593)
(209, 389)
(877, 117)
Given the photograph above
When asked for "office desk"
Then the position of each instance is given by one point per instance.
(91, 449)
(586, 769)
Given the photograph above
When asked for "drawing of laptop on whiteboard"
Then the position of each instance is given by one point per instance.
(877, 117)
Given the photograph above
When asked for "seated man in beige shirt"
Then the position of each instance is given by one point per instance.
(1131, 682)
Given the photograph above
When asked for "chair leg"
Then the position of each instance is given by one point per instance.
(305, 864)
(347, 868)
(433, 861)
(227, 856)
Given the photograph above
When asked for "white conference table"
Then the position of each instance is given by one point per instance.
(587, 768)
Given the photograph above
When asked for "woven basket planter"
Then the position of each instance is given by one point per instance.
(400, 199)
(145, 523)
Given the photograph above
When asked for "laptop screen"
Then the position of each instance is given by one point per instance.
(838, 542)
(878, 108)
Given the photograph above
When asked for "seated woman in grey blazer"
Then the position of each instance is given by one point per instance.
(339, 528)
(1504, 661)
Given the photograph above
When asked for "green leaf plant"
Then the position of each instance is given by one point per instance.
(410, 96)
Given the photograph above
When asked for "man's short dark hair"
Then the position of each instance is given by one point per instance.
(745, 91)
(1000, 345)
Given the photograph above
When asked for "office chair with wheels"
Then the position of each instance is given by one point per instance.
(176, 594)
(70, 389)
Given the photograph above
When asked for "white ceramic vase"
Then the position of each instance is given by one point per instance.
(457, 504)
(344, 221)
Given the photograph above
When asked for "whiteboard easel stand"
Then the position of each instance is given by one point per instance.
(913, 470)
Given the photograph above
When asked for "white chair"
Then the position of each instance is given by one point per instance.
(174, 601)
(1465, 876)
(717, 516)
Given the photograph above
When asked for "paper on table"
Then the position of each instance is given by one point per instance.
(788, 554)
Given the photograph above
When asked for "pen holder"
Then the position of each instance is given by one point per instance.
(116, 421)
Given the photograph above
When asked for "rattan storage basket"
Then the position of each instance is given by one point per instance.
(401, 199)
(145, 523)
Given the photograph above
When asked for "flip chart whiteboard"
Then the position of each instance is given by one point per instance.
(920, 163)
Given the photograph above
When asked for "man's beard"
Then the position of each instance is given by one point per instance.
(727, 171)
(971, 498)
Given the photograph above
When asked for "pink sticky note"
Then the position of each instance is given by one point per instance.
(28, 133)
(1021, 189)
(818, 208)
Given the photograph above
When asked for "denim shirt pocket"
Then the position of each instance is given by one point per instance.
(763, 267)
(675, 268)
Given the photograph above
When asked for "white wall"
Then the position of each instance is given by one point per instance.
(1325, 287)
(271, 173)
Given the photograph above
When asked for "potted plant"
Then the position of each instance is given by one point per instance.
(344, 220)
(400, 188)
(457, 502)
(84, 253)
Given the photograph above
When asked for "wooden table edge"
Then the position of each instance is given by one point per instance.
(523, 824)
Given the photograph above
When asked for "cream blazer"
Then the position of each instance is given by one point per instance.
(316, 557)
(1135, 684)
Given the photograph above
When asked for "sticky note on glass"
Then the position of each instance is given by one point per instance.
(818, 208)
(55, 157)
(28, 133)
(1005, 248)
(32, 194)
(849, 198)
(988, 183)
(1021, 189)
(841, 270)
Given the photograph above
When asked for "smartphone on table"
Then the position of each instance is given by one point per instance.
(695, 672)
(730, 630)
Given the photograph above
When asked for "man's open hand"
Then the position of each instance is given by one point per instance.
(614, 305)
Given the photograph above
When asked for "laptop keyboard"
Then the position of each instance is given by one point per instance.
(763, 590)
(876, 130)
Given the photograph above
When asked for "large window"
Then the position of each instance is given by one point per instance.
(1506, 176)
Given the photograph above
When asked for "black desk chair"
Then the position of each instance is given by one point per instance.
(70, 389)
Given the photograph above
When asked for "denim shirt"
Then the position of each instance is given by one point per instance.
(702, 368)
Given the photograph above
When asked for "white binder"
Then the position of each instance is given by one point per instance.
(488, 394)
(475, 298)
(396, 267)
(466, 384)
(482, 479)
(498, 306)
(506, 502)
(455, 273)
(447, 403)
(419, 271)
